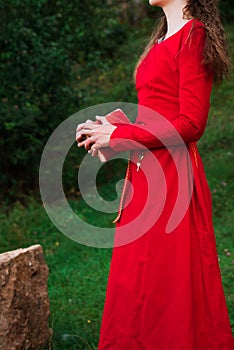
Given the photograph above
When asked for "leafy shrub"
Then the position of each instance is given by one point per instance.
(226, 8)
(42, 41)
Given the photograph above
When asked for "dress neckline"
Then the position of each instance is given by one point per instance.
(161, 40)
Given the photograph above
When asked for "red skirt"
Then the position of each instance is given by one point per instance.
(164, 289)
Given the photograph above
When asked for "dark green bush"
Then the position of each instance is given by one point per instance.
(58, 57)
(43, 43)
(226, 10)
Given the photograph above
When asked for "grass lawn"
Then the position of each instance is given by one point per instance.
(78, 274)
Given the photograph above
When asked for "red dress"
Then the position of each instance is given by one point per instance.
(164, 290)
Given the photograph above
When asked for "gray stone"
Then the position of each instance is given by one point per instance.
(24, 302)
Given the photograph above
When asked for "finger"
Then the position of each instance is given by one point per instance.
(93, 151)
(92, 126)
(90, 122)
(82, 140)
(90, 142)
(98, 122)
(101, 119)
(87, 124)
(81, 137)
(83, 126)
(87, 143)
(80, 144)
(83, 134)
(87, 129)
(80, 126)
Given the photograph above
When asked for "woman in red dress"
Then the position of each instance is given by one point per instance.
(165, 290)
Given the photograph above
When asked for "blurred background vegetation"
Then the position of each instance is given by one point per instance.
(57, 58)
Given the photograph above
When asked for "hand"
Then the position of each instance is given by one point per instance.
(79, 136)
(96, 135)
(86, 124)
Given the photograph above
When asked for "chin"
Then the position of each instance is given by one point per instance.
(156, 2)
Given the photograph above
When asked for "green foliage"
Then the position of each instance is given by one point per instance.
(226, 10)
(43, 43)
(57, 58)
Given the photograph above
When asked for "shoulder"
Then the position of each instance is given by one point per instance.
(195, 29)
(193, 36)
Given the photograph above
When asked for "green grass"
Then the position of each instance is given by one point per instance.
(77, 277)
(78, 274)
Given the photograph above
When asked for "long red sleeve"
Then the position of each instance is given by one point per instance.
(195, 85)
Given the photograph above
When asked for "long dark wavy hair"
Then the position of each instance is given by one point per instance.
(215, 53)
